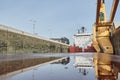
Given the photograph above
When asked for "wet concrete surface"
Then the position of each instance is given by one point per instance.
(102, 67)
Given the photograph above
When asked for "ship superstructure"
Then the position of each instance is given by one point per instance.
(82, 41)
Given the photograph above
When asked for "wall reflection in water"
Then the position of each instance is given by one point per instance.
(70, 67)
(106, 67)
(11, 63)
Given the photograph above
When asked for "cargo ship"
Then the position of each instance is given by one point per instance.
(82, 42)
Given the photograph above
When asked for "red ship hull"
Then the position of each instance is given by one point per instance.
(75, 49)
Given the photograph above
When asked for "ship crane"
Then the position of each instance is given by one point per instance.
(103, 29)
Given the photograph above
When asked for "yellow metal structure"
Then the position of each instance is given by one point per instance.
(103, 29)
(102, 33)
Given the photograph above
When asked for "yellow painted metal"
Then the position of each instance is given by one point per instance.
(102, 16)
(95, 42)
(102, 29)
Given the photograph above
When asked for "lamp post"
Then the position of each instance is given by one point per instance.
(33, 21)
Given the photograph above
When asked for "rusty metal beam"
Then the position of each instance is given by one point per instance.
(113, 10)
(98, 10)
(104, 24)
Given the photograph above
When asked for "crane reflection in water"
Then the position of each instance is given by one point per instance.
(107, 67)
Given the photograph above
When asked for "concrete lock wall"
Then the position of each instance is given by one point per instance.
(16, 41)
(116, 41)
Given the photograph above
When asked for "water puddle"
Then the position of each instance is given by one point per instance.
(73, 67)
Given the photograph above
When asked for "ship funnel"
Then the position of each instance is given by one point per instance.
(83, 29)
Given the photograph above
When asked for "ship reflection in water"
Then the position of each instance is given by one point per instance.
(83, 66)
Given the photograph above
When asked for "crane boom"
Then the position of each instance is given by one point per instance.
(113, 10)
(98, 10)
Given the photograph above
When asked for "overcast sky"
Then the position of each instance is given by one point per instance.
(53, 18)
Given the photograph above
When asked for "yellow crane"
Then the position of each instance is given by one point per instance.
(102, 34)
(103, 28)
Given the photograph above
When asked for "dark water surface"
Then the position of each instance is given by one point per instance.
(79, 66)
